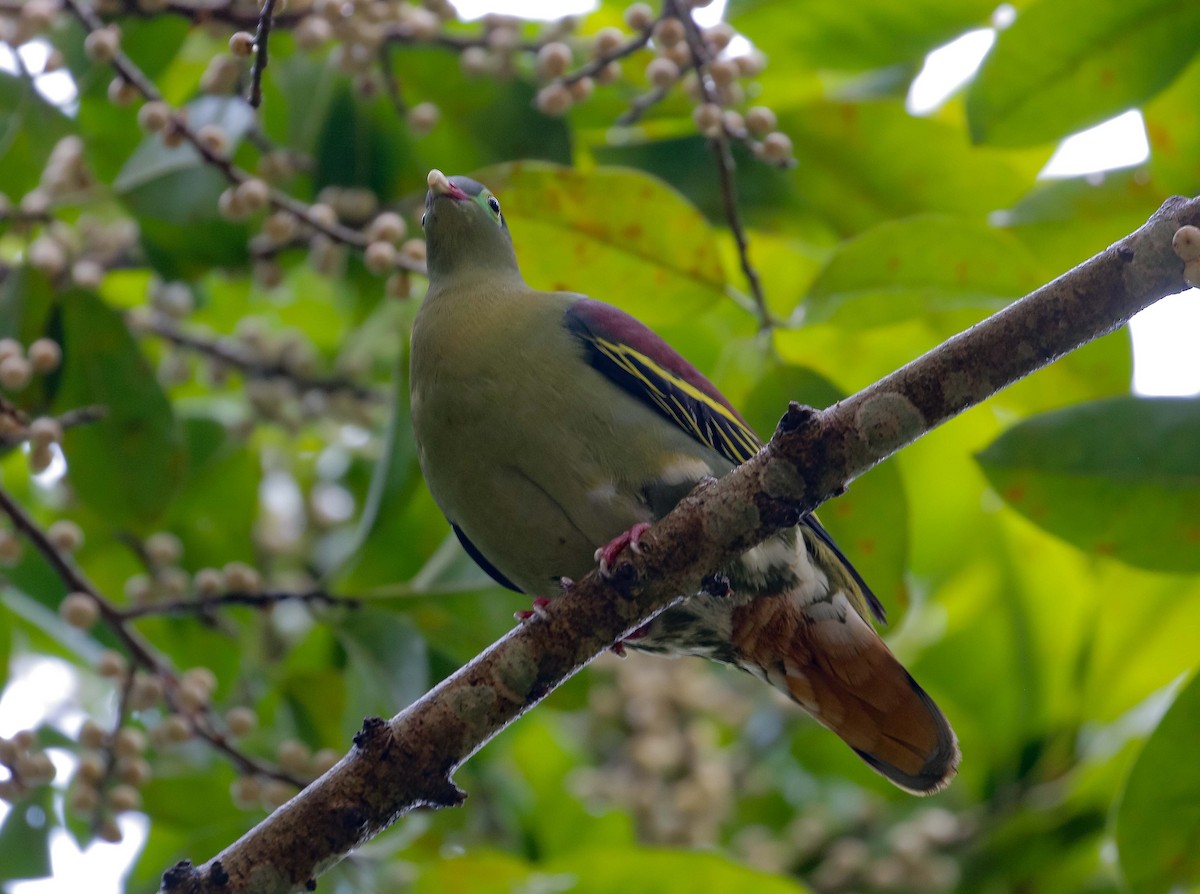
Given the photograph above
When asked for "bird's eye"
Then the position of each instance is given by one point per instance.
(422, 220)
(494, 204)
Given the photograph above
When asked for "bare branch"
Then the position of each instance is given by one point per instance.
(246, 362)
(261, 36)
(207, 604)
(408, 761)
(594, 67)
(722, 151)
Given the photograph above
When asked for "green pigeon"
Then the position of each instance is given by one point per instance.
(549, 424)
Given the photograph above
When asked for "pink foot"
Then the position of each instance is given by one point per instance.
(608, 553)
(618, 648)
(540, 604)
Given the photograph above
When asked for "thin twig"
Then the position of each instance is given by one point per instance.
(19, 217)
(69, 419)
(278, 199)
(82, 416)
(110, 750)
(74, 581)
(202, 12)
(136, 646)
(250, 366)
(205, 604)
(261, 36)
(390, 81)
(598, 64)
(725, 168)
(456, 42)
(723, 153)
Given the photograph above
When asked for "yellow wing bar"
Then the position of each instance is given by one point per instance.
(691, 409)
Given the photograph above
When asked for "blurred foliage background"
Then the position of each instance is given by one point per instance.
(249, 503)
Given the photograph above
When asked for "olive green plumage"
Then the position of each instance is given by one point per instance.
(548, 423)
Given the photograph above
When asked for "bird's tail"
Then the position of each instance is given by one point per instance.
(831, 662)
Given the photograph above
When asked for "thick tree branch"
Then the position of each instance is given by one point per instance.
(408, 762)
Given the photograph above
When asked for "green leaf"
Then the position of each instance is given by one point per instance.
(459, 624)
(174, 193)
(364, 142)
(1173, 129)
(214, 511)
(630, 870)
(1117, 477)
(6, 644)
(112, 131)
(869, 34)
(296, 98)
(476, 872)
(1067, 64)
(483, 120)
(153, 160)
(387, 520)
(1064, 222)
(361, 143)
(388, 667)
(29, 129)
(26, 299)
(861, 163)
(193, 814)
(786, 268)
(591, 232)
(25, 836)
(1158, 815)
(26, 312)
(648, 871)
(127, 466)
(920, 266)
(539, 755)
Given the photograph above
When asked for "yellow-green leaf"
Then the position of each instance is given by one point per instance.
(1118, 477)
(918, 266)
(128, 465)
(615, 234)
(1158, 817)
(1067, 64)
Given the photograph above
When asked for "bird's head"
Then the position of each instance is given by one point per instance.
(464, 229)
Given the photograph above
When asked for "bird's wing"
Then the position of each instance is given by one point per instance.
(481, 560)
(632, 356)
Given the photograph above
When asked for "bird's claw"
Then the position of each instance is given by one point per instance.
(540, 604)
(618, 648)
(607, 554)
